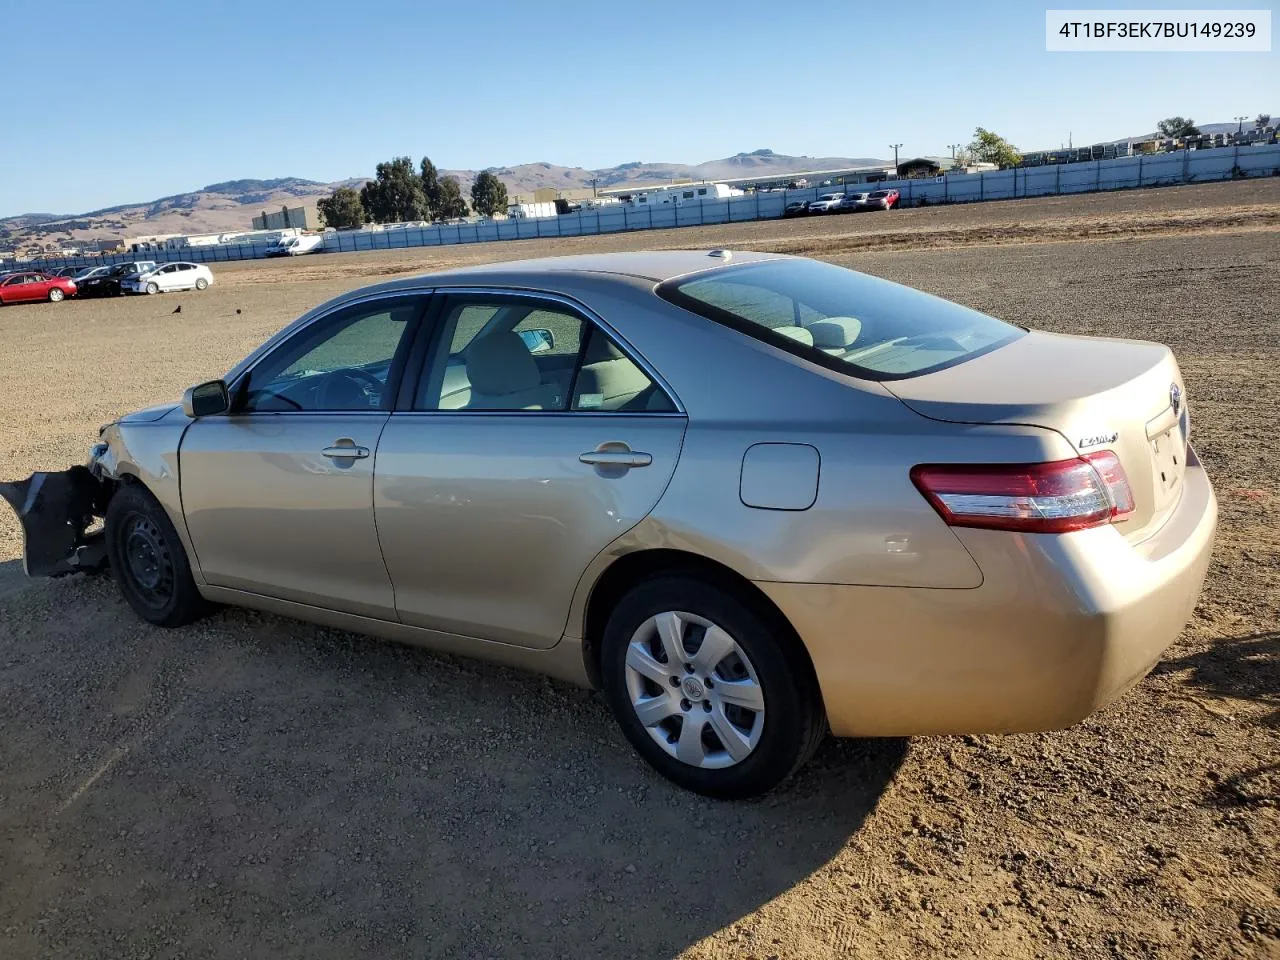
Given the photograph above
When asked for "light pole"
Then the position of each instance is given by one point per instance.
(1240, 120)
(953, 148)
(895, 155)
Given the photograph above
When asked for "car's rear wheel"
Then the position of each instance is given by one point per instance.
(712, 691)
(148, 560)
(55, 295)
(153, 288)
(202, 284)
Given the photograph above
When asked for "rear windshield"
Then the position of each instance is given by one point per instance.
(844, 320)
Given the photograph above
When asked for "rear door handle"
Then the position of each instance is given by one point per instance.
(616, 458)
(617, 455)
(345, 449)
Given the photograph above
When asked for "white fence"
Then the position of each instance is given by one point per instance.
(1188, 166)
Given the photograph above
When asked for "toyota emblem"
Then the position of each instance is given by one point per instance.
(1175, 397)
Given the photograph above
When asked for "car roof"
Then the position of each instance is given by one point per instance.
(655, 265)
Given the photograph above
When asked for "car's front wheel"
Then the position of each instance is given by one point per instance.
(148, 560)
(153, 288)
(55, 295)
(712, 691)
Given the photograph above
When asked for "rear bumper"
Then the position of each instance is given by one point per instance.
(1060, 626)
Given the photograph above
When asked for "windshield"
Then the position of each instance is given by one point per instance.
(844, 320)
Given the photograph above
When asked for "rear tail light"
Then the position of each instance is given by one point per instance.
(1055, 497)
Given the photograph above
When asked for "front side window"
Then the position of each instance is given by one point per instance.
(847, 321)
(345, 363)
(520, 354)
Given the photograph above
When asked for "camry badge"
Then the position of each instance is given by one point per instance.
(1175, 397)
(1097, 440)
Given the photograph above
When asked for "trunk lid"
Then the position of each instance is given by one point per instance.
(1100, 394)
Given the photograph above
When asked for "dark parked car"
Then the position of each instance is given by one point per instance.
(108, 284)
(797, 208)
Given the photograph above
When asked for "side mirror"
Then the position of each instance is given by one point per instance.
(538, 341)
(206, 399)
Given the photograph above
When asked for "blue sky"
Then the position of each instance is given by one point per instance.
(132, 106)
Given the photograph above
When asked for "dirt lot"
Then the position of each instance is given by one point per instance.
(254, 786)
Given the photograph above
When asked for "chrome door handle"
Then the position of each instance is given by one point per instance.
(616, 456)
(345, 450)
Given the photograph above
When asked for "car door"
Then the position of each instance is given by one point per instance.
(166, 277)
(31, 288)
(528, 442)
(278, 493)
(185, 276)
(11, 289)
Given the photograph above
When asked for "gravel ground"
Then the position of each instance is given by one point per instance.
(252, 785)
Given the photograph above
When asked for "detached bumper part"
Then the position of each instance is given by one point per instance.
(55, 510)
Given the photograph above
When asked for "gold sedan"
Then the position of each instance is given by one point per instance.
(753, 498)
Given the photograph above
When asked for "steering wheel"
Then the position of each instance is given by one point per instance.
(368, 384)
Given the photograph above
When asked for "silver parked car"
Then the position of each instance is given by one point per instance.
(751, 497)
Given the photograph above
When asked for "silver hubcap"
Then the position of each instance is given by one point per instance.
(694, 690)
(55, 294)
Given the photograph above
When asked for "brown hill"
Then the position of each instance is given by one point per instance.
(230, 206)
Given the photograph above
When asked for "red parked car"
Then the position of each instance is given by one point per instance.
(33, 285)
(881, 200)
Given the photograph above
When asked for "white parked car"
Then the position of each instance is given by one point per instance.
(827, 203)
(168, 277)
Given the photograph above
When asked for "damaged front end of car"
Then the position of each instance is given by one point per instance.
(60, 513)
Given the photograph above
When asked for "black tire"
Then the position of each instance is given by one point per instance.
(794, 722)
(56, 295)
(202, 284)
(153, 288)
(148, 561)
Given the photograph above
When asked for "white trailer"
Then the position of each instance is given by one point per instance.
(682, 193)
(530, 211)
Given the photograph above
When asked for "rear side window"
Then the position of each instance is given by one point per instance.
(847, 321)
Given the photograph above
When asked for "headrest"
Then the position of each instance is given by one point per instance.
(500, 363)
(796, 333)
(601, 348)
(835, 332)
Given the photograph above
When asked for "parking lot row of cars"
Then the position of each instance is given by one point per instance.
(844, 203)
(138, 276)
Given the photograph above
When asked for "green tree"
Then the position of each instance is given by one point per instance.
(990, 147)
(430, 178)
(488, 194)
(449, 202)
(395, 195)
(1178, 128)
(343, 210)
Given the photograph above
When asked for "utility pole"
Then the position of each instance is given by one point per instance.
(1240, 120)
(594, 181)
(953, 148)
(895, 155)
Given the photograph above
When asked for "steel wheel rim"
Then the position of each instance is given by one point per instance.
(695, 690)
(148, 562)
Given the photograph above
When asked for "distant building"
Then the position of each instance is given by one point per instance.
(303, 218)
(550, 195)
(917, 168)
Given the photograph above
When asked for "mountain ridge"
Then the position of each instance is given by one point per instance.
(230, 205)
